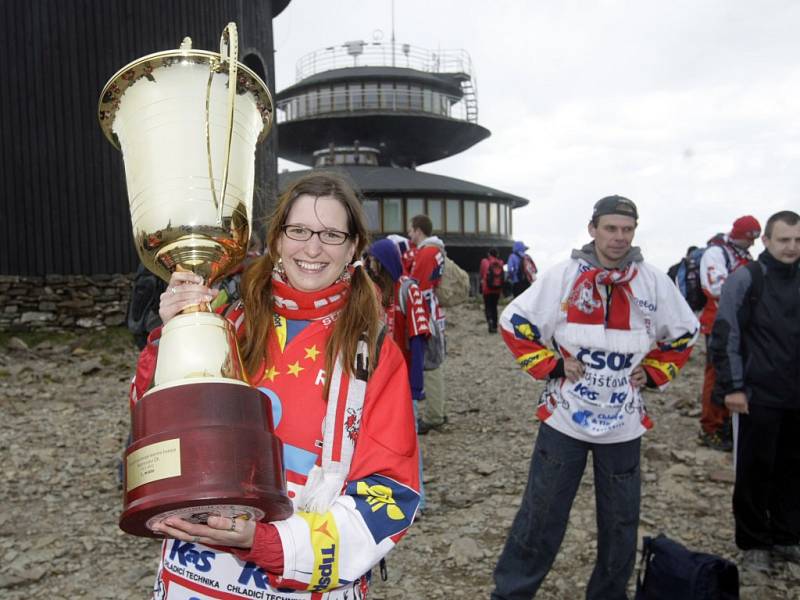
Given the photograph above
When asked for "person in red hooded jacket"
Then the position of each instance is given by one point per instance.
(724, 254)
(492, 279)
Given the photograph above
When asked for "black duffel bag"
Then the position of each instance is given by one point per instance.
(670, 571)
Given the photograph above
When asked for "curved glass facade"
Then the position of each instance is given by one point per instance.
(391, 214)
(383, 95)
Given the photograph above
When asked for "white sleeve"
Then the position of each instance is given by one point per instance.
(713, 271)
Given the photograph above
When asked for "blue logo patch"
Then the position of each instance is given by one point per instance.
(186, 554)
(599, 359)
(581, 417)
(386, 506)
(524, 329)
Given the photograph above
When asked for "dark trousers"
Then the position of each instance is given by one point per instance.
(536, 534)
(766, 496)
(490, 310)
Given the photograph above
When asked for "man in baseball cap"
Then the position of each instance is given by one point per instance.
(596, 328)
(724, 254)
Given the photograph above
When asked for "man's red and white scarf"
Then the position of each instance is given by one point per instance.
(610, 321)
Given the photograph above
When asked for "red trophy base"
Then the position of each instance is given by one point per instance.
(199, 450)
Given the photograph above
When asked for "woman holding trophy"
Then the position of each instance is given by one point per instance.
(312, 342)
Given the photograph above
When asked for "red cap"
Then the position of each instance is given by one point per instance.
(745, 228)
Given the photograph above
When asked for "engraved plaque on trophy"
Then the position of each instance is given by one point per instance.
(187, 122)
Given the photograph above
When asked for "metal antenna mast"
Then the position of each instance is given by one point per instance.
(393, 33)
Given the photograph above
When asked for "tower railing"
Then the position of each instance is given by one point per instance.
(391, 54)
(310, 104)
(379, 54)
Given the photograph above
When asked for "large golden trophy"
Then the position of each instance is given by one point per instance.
(187, 122)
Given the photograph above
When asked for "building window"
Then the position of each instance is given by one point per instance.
(435, 214)
(387, 95)
(324, 100)
(311, 100)
(482, 220)
(427, 100)
(503, 219)
(414, 207)
(392, 214)
(356, 97)
(416, 97)
(401, 95)
(372, 209)
(453, 221)
(469, 216)
(340, 97)
(493, 220)
(370, 95)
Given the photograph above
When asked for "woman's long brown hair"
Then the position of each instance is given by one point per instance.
(361, 312)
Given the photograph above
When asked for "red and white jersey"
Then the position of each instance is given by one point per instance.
(656, 329)
(718, 261)
(427, 269)
(326, 556)
(408, 316)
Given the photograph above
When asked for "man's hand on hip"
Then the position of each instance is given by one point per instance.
(736, 402)
(638, 376)
(573, 369)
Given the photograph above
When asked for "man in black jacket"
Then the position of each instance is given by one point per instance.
(755, 348)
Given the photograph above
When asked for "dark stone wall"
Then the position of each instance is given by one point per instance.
(63, 203)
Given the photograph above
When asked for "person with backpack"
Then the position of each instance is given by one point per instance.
(755, 349)
(407, 320)
(493, 278)
(521, 268)
(723, 255)
(427, 260)
(596, 329)
(686, 275)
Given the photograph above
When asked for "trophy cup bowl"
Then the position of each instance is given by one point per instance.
(202, 440)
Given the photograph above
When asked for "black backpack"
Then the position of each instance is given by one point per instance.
(671, 571)
(687, 275)
(495, 276)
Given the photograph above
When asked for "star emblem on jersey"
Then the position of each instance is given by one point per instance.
(312, 352)
(295, 368)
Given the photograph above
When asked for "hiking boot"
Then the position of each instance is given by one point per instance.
(423, 427)
(790, 553)
(756, 559)
(715, 441)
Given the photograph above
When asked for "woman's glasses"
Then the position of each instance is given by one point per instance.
(331, 237)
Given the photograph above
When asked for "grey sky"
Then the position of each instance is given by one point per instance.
(691, 109)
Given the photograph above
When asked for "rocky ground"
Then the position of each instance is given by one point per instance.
(64, 421)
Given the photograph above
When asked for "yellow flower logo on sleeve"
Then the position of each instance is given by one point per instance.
(378, 497)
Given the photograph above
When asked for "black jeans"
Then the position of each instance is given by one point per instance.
(555, 473)
(490, 310)
(766, 496)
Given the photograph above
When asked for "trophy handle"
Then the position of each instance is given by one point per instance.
(228, 52)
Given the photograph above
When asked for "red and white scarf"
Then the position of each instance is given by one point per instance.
(345, 401)
(296, 304)
(611, 321)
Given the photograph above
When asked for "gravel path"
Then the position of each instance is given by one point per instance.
(64, 414)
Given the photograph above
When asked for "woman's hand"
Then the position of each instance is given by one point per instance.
(184, 289)
(220, 531)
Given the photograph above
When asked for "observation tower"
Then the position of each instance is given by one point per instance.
(379, 110)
